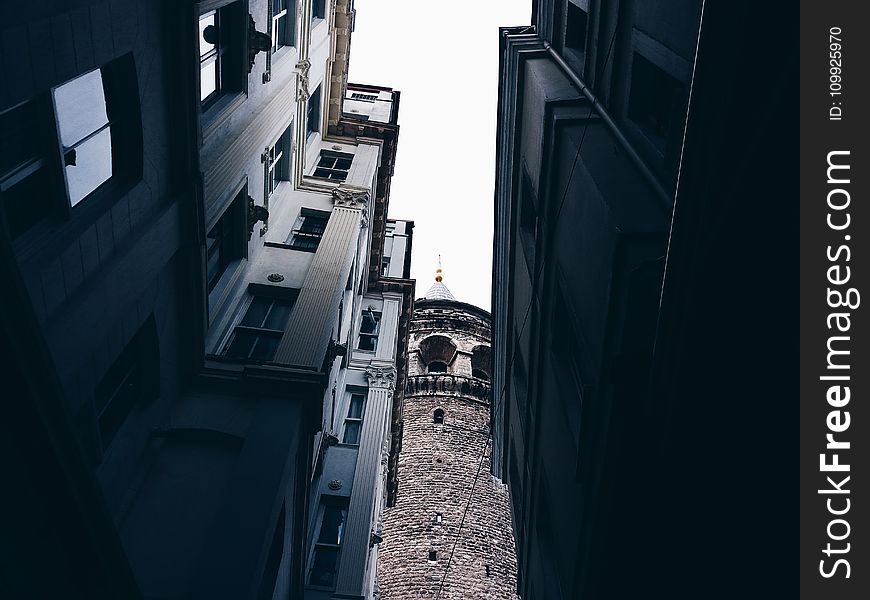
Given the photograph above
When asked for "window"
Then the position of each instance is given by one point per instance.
(328, 545)
(433, 555)
(575, 32)
(385, 266)
(438, 419)
(60, 147)
(279, 161)
(283, 23)
(318, 9)
(257, 335)
(314, 112)
(436, 366)
(439, 518)
(221, 52)
(353, 422)
(29, 165)
(481, 362)
(655, 102)
(368, 330)
(333, 165)
(225, 242)
(130, 380)
(83, 125)
(306, 236)
(363, 97)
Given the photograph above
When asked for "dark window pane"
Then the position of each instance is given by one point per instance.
(332, 528)
(655, 101)
(265, 347)
(575, 35)
(257, 312)
(279, 316)
(314, 111)
(351, 432)
(369, 322)
(242, 344)
(323, 570)
(356, 405)
(368, 342)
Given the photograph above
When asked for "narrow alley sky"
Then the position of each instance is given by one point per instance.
(443, 57)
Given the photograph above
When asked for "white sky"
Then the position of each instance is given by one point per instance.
(443, 57)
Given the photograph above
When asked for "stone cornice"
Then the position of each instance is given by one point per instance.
(446, 384)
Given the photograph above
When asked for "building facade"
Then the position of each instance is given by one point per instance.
(624, 262)
(194, 237)
(448, 533)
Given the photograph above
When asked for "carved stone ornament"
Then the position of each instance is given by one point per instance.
(255, 213)
(384, 378)
(303, 66)
(350, 198)
(335, 484)
(257, 42)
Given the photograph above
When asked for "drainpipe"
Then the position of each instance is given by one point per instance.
(664, 199)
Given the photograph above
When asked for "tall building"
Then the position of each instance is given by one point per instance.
(448, 533)
(198, 276)
(630, 202)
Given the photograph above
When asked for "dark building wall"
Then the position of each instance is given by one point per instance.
(192, 479)
(584, 338)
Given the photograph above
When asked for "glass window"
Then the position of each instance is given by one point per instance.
(59, 147)
(308, 234)
(279, 161)
(222, 53)
(353, 422)
(283, 23)
(655, 102)
(225, 242)
(368, 330)
(318, 9)
(333, 165)
(210, 51)
(83, 124)
(575, 32)
(128, 382)
(257, 335)
(326, 550)
(314, 112)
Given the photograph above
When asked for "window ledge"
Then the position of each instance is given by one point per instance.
(215, 115)
(282, 55)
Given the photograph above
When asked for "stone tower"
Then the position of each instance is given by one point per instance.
(444, 460)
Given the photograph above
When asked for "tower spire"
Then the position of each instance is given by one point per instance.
(438, 291)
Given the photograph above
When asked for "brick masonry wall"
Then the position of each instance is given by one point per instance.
(438, 464)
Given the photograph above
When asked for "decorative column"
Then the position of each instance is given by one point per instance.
(360, 534)
(306, 338)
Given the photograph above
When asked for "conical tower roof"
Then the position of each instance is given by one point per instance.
(438, 291)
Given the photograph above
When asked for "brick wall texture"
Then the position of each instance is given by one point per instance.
(438, 465)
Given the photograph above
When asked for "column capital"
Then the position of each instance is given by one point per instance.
(381, 377)
(350, 197)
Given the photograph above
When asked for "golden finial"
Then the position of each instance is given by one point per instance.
(439, 275)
